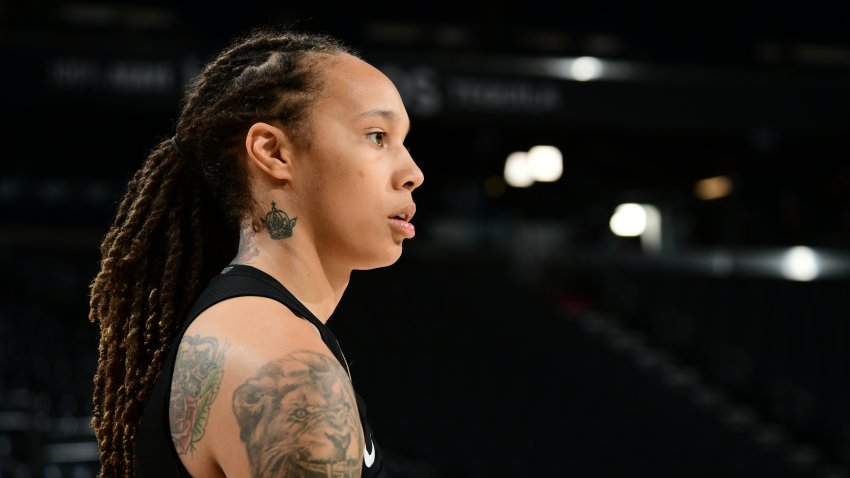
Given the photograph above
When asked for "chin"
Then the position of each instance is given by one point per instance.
(390, 257)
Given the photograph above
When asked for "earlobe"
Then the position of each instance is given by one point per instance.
(269, 149)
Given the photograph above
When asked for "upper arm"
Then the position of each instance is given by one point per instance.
(298, 413)
(285, 406)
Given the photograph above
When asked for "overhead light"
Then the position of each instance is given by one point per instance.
(638, 220)
(800, 263)
(518, 171)
(546, 163)
(541, 163)
(628, 220)
(586, 68)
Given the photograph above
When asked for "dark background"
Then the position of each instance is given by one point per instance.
(517, 336)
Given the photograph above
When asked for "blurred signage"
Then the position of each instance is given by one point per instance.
(126, 76)
(52, 77)
(428, 92)
(499, 89)
(503, 95)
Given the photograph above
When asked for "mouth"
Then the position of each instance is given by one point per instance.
(400, 221)
(404, 214)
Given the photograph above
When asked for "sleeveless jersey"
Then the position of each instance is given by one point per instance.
(155, 455)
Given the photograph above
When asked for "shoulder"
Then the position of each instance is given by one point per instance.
(262, 323)
(257, 393)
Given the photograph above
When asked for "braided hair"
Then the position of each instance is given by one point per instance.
(165, 242)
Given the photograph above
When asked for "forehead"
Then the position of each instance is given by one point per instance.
(355, 89)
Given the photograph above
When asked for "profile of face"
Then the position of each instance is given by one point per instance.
(359, 175)
(298, 415)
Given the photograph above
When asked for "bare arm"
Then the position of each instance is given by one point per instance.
(194, 387)
(262, 396)
(297, 416)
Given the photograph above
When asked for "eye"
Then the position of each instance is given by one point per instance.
(377, 137)
(298, 415)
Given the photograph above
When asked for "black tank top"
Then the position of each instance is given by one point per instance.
(155, 455)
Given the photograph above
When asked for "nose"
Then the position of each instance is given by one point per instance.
(409, 175)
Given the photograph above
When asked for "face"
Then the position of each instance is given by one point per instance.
(358, 175)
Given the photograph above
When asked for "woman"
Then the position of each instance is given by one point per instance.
(287, 172)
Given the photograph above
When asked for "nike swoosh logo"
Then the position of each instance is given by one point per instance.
(369, 458)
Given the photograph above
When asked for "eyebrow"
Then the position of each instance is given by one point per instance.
(386, 114)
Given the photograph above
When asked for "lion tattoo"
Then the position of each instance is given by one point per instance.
(298, 419)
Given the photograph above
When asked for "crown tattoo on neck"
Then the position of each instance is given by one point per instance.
(278, 223)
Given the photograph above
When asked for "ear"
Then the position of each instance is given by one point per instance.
(270, 149)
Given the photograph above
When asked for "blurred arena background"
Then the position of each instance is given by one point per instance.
(664, 294)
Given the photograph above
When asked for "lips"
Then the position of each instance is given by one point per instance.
(405, 213)
(400, 220)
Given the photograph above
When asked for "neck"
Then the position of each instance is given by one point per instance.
(296, 264)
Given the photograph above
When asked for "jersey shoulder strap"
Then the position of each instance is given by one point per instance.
(243, 280)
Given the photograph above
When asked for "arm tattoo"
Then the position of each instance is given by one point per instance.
(247, 248)
(278, 223)
(298, 419)
(197, 378)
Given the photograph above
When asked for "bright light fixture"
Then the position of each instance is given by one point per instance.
(586, 68)
(518, 171)
(628, 220)
(546, 163)
(800, 263)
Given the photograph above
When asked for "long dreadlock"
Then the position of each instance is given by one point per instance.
(160, 250)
